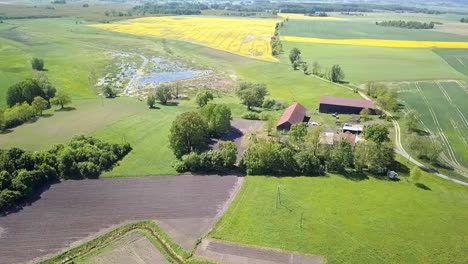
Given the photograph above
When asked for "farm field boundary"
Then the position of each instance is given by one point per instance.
(171, 251)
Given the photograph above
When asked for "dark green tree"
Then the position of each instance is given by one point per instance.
(37, 64)
(218, 118)
(203, 97)
(24, 91)
(377, 133)
(341, 156)
(189, 133)
(336, 74)
(252, 94)
(294, 55)
(62, 98)
(163, 93)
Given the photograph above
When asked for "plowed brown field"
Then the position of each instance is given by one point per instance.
(73, 211)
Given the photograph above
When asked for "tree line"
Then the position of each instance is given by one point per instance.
(406, 24)
(27, 99)
(335, 74)
(170, 8)
(464, 20)
(275, 41)
(24, 173)
(385, 98)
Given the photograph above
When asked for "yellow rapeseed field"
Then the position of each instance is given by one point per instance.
(304, 17)
(381, 42)
(246, 37)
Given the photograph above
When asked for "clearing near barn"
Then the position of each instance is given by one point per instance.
(246, 37)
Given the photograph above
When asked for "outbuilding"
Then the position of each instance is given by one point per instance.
(331, 104)
(294, 114)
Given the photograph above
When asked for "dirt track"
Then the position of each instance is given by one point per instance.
(72, 211)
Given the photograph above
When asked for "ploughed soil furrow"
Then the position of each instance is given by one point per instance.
(75, 210)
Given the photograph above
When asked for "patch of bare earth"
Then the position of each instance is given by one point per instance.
(72, 212)
(132, 248)
(453, 28)
(230, 253)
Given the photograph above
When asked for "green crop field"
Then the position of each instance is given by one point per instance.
(457, 58)
(351, 29)
(368, 221)
(444, 113)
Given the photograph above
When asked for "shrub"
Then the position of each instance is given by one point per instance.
(251, 116)
(37, 64)
(18, 114)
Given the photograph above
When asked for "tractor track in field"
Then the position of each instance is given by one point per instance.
(462, 116)
(440, 131)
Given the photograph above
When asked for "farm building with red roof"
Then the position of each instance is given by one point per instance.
(331, 104)
(294, 114)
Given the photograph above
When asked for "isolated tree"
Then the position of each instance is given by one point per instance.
(316, 68)
(364, 114)
(203, 97)
(336, 74)
(189, 133)
(62, 99)
(108, 92)
(297, 134)
(218, 118)
(412, 119)
(24, 91)
(294, 55)
(37, 64)
(163, 93)
(377, 133)
(150, 101)
(39, 104)
(252, 94)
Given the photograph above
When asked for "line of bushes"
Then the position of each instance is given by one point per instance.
(24, 173)
(406, 24)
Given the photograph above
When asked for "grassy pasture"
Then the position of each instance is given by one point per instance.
(443, 110)
(367, 221)
(362, 64)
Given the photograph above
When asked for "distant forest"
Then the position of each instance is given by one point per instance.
(464, 20)
(299, 8)
(406, 24)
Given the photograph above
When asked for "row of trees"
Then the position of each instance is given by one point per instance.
(172, 8)
(386, 98)
(163, 94)
(23, 173)
(464, 20)
(424, 146)
(28, 99)
(406, 24)
(275, 42)
(303, 154)
(335, 74)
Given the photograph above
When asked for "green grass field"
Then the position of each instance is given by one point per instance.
(368, 221)
(443, 110)
(362, 64)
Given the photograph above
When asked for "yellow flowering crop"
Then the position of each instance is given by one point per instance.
(246, 37)
(304, 17)
(381, 42)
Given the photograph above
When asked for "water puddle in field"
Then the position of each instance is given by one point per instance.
(130, 73)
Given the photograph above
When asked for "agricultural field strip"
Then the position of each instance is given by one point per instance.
(449, 148)
(462, 86)
(380, 42)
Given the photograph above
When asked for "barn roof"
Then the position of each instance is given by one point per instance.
(293, 114)
(331, 100)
